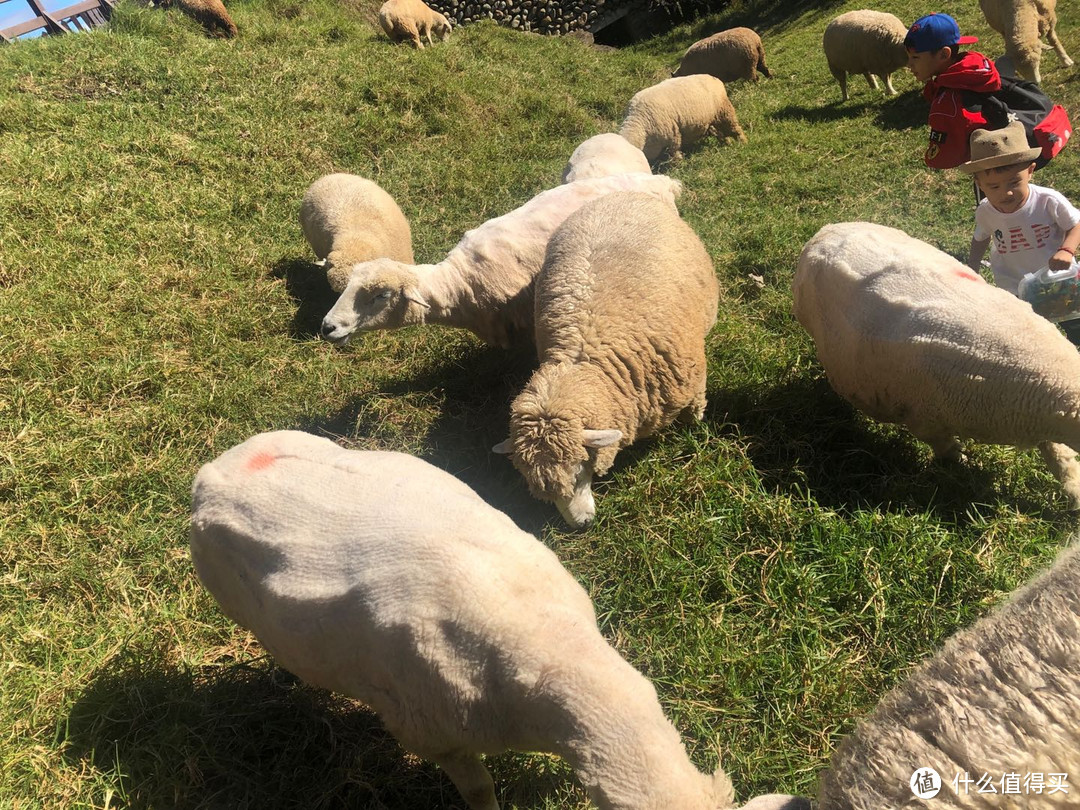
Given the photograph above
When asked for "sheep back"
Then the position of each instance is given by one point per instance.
(381, 577)
(728, 55)
(865, 41)
(356, 220)
(210, 14)
(908, 334)
(1001, 697)
(604, 155)
(677, 113)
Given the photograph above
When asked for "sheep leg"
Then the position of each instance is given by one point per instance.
(471, 779)
(945, 447)
(1059, 49)
(1061, 460)
(695, 410)
(412, 33)
(888, 85)
(871, 80)
(841, 79)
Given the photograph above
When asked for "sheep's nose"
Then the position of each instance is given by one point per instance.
(326, 330)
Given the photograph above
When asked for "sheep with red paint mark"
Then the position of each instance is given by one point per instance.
(907, 334)
(381, 577)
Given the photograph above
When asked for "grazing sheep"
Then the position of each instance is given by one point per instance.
(909, 335)
(623, 303)
(210, 14)
(866, 42)
(1002, 697)
(347, 219)
(603, 156)
(729, 55)
(485, 283)
(1022, 23)
(379, 576)
(677, 113)
(412, 19)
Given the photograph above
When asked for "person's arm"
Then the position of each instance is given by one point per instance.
(978, 250)
(1065, 254)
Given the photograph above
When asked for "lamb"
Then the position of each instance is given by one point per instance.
(485, 283)
(677, 113)
(623, 303)
(379, 576)
(604, 155)
(1002, 697)
(728, 55)
(412, 19)
(909, 335)
(866, 42)
(1022, 23)
(347, 219)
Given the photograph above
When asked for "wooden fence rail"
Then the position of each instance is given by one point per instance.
(78, 17)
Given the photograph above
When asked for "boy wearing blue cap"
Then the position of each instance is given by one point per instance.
(934, 57)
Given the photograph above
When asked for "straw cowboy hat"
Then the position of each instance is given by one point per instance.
(999, 147)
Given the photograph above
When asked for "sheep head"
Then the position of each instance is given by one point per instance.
(380, 294)
(551, 451)
(441, 27)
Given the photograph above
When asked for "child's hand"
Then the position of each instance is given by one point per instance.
(1061, 260)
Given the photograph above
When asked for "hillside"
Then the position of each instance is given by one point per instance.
(773, 569)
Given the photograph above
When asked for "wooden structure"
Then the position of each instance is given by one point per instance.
(81, 16)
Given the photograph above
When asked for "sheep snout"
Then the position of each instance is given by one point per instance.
(335, 333)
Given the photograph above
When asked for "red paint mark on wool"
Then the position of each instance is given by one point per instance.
(968, 275)
(260, 461)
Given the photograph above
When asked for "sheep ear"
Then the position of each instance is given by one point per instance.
(416, 298)
(503, 448)
(601, 438)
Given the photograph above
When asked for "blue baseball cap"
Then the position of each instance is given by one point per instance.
(934, 32)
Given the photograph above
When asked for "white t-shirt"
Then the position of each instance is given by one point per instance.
(1024, 241)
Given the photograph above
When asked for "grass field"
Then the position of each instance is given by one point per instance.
(772, 569)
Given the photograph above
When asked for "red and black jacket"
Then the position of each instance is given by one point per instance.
(951, 123)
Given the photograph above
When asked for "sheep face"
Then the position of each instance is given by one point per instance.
(552, 454)
(440, 27)
(380, 294)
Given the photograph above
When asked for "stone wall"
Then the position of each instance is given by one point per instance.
(539, 16)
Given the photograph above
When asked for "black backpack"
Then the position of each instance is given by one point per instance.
(1047, 123)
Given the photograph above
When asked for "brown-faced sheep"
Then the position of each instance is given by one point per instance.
(675, 114)
(412, 19)
(1022, 23)
(347, 220)
(623, 303)
(866, 42)
(729, 55)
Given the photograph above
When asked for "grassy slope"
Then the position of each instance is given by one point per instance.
(773, 569)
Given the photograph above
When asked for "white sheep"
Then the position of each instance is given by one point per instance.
(485, 283)
(347, 219)
(1022, 23)
(728, 55)
(909, 335)
(623, 304)
(604, 155)
(866, 42)
(1002, 697)
(410, 20)
(381, 577)
(677, 113)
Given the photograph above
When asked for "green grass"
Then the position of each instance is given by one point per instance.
(773, 569)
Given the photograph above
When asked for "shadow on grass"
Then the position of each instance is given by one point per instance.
(306, 284)
(253, 736)
(802, 436)
(475, 384)
(241, 736)
(900, 112)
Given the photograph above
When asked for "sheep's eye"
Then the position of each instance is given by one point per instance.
(383, 295)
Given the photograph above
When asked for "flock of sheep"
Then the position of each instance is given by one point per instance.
(466, 635)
